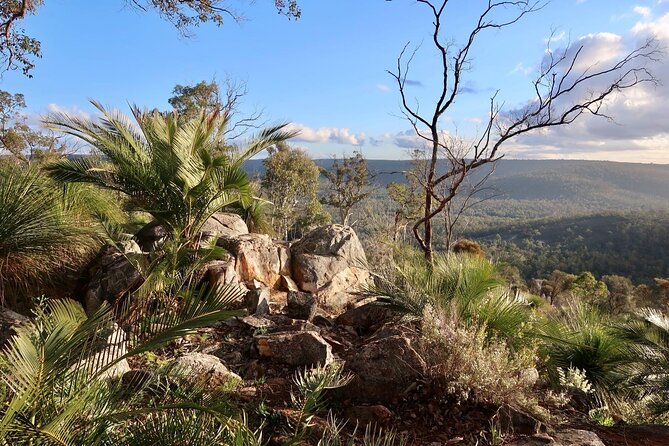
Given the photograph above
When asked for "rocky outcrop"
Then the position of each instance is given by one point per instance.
(221, 224)
(384, 369)
(257, 257)
(220, 272)
(9, 320)
(207, 368)
(112, 278)
(566, 437)
(330, 263)
(299, 348)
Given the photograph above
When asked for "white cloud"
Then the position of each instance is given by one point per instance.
(69, 110)
(658, 28)
(639, 131)
(328, 134)
(556, 37)
(383, 88)
(521, 68)
(642, 10)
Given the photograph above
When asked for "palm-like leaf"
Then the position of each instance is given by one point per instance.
(57, 364)
(166, 167)
(581, 337)
(648, 346)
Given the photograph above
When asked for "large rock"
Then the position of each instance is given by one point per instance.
(205, 367)
(298, 348)
(113, 347)
(220, 272)
(301, 305)
(384, 369)
(330, 262)
(112, 278)
(257, 257)
(565, 437)
(221, 224)
(9, 320)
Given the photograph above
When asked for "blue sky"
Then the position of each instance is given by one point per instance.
(327, 71)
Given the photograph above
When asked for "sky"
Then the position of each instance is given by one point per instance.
(326, 73)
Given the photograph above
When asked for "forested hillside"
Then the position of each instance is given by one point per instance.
(599, 216)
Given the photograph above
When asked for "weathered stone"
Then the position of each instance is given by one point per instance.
(518, 422)
(286, 283)
(206, 367)
(565, 437)
(329, 262)
(151, 236)
(9, 320)
(295, 348)
(220, 272)
(366, 317)
(257, 322)
(257, 257)
(130, 247)
(301, 305)
(114, 278)
(223, 224)
(384, 369)
(376, 415)
(257, 301)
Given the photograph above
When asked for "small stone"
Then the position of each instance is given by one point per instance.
(207, 367)
(288, 284)
(256, 322)
(295, 348)
(257, 301)
(301, 305)
(378, 415)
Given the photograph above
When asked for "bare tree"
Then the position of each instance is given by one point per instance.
(565, 90)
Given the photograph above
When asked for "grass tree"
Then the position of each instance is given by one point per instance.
(39, 232)
(166, 167)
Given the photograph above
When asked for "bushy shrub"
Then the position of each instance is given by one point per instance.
(474, 367)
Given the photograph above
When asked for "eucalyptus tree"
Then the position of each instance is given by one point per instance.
(291, 182)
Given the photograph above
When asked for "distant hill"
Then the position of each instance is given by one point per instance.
(599, 216)
(591, 184)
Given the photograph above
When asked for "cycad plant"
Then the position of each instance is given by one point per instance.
(60, 371)
(179, 172)
(648, 337)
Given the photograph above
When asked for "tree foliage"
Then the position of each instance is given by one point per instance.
(291, 183)
(18, 50)
(348, 183)
(19, 140)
